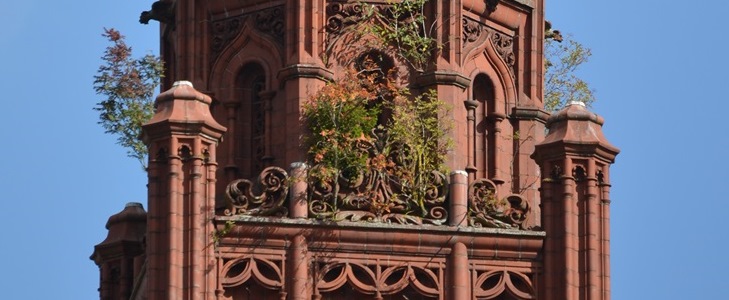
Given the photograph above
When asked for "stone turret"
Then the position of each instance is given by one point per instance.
(121, 255)
(182, 138)
(575, 161)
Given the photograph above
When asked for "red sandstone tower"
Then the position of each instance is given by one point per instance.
(233, 216)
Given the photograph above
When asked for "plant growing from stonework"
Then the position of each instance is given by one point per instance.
(403, 28)
(348, 117)
(218, 235)
(339, 117)
(418, 125)
(562, 58)
(127, 84)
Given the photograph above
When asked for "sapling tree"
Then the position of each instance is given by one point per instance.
(562, 57)
(127, 83)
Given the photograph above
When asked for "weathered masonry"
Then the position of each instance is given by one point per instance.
(231, 211)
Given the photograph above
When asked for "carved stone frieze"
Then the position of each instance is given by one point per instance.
(487, 210)
(269, 21)
(476, 33)
(266, 197)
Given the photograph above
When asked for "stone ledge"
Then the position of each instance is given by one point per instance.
(375, 225)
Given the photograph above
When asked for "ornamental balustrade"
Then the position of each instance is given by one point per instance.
(376, 194)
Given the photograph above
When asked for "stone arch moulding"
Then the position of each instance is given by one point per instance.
(248, 47)
(497, 283)
(240, 270)
(382, 282)
(498, 71)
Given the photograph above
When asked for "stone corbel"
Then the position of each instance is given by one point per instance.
(443, 78)
(305, 71)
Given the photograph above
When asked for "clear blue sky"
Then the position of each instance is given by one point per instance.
(659, 68)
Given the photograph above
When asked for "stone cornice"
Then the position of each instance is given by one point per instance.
(381, 237)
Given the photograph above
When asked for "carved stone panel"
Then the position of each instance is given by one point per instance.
(269, 22)
(476, 33)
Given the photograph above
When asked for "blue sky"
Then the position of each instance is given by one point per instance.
(659, 70)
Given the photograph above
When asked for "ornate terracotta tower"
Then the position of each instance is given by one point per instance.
(234, 212)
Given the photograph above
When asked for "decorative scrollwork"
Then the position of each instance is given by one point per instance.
(492, 284)
(378, 280)
(488, 211)
(471, 30)
(379, 193)
(224, 31)
(342, 15)
(271, 21)
(505, 47)
(473, 33)
(266, 198)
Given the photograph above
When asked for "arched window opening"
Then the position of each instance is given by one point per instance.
(483, 92)
(251, 137)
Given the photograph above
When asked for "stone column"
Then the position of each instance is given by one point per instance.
(299, 283)
(459, 280)
(471, 106)
(298, 205)
(458, 214)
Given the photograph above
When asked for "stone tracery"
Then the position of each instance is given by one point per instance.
(494, 283)
(378, 280)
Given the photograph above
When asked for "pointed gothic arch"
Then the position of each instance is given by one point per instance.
(251, 140)
(247, 47)
(242, 76)
(497, 70)
(483, 91)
